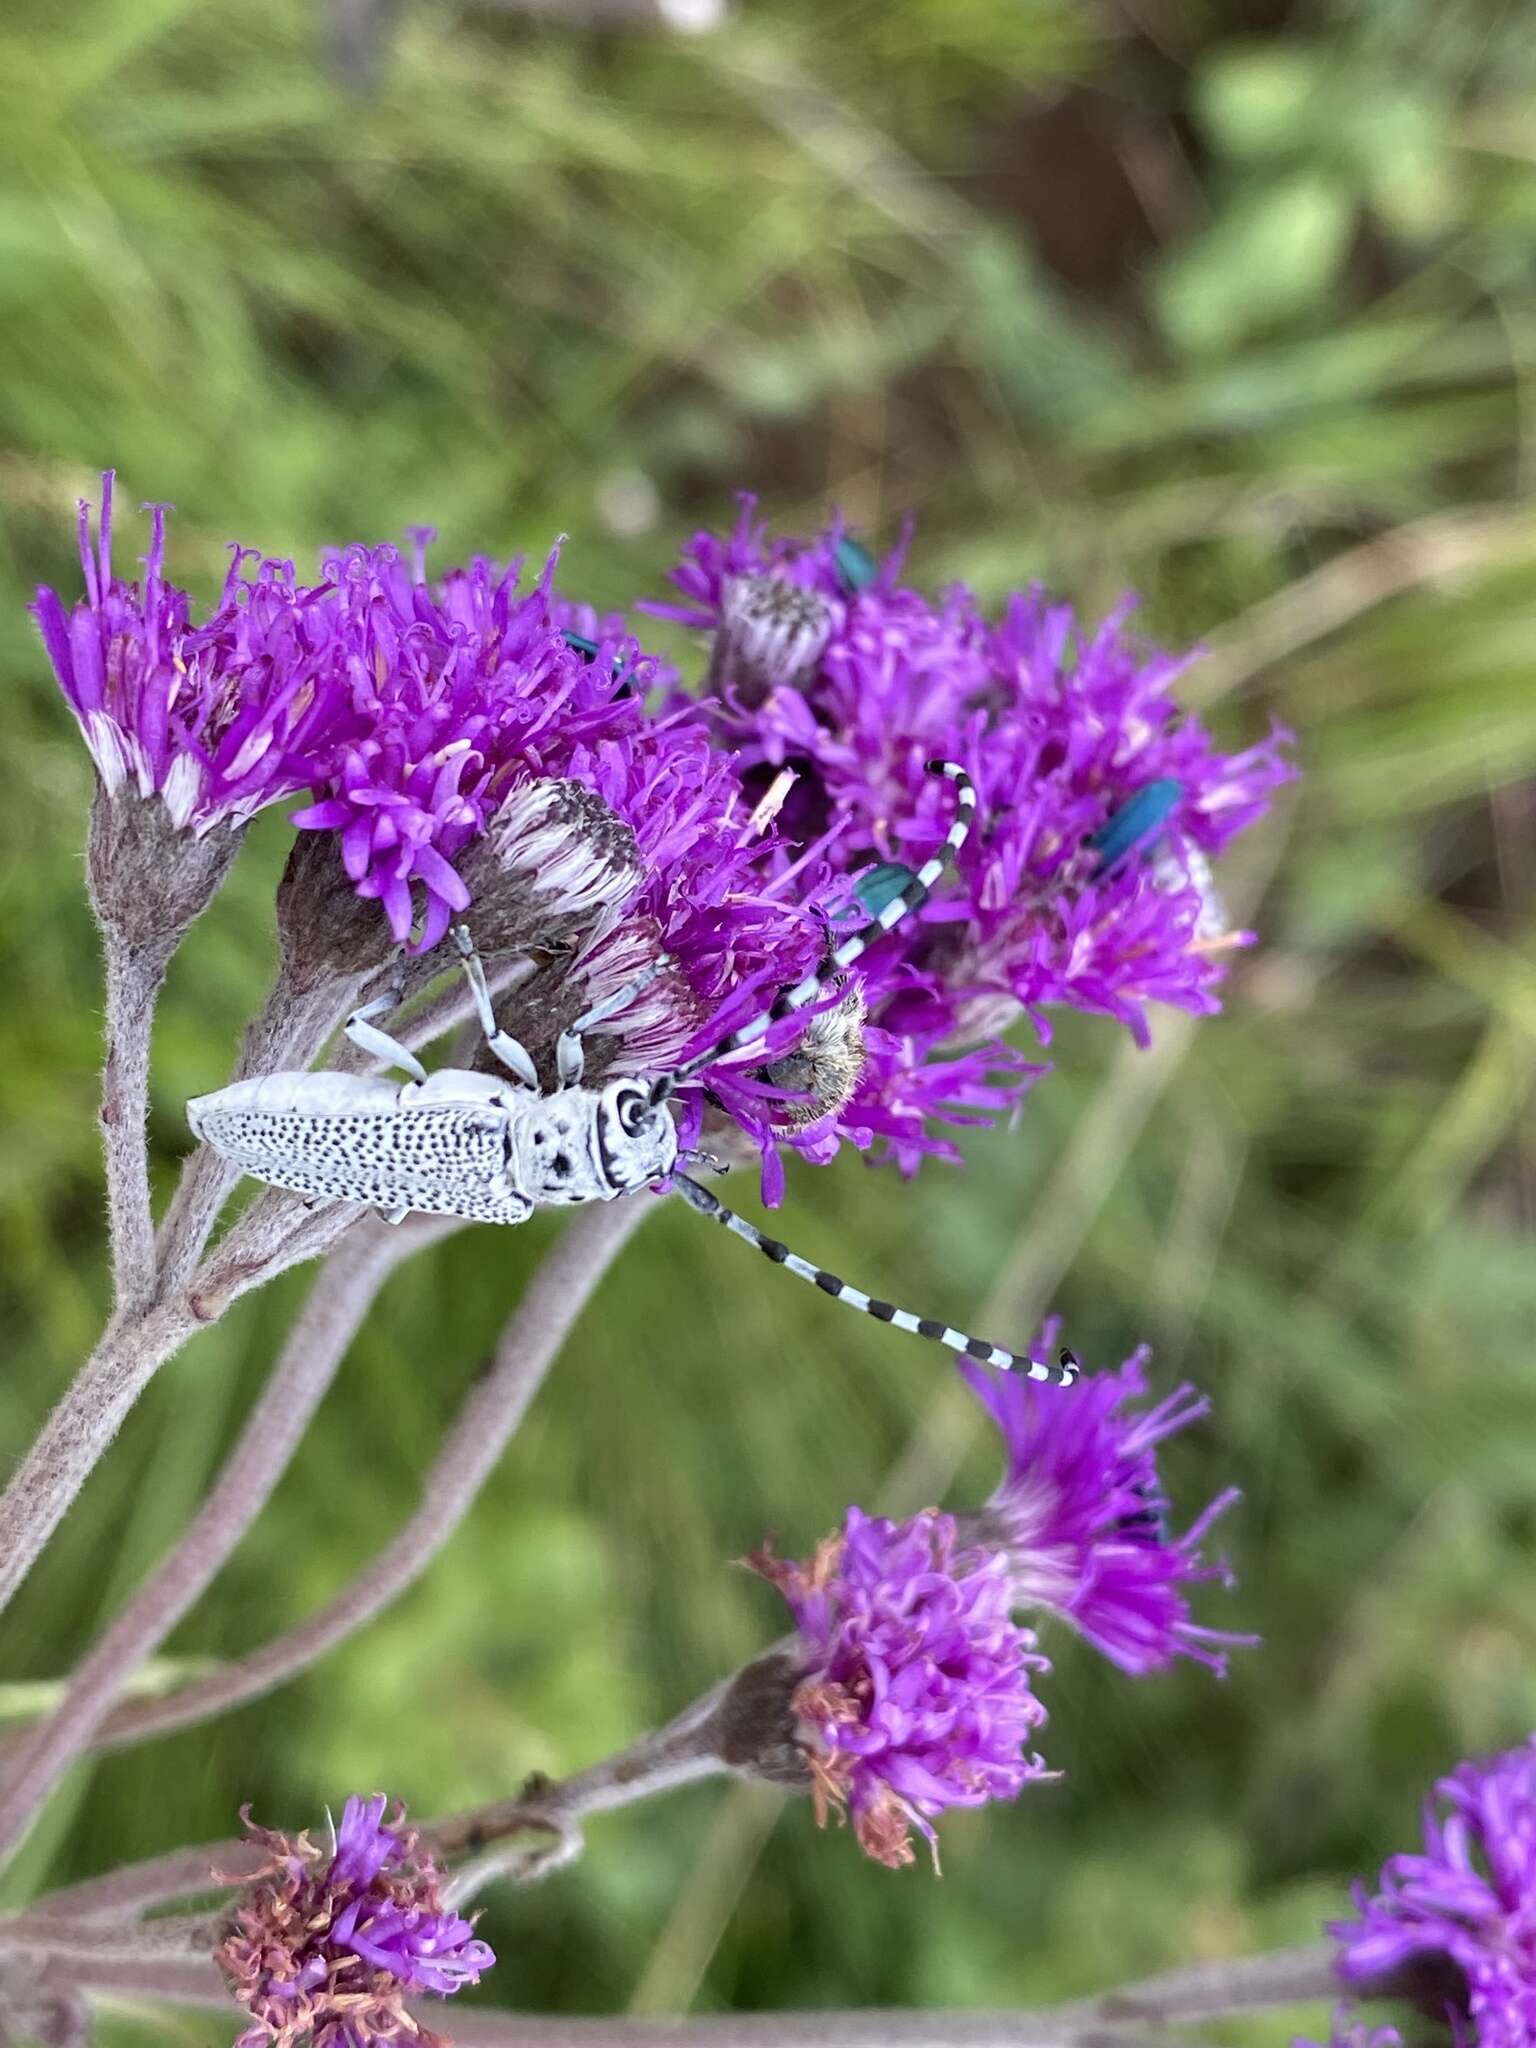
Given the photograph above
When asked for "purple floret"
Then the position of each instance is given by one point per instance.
(1081, 1513)
(217, 720)
(1465, 1908)
(327, 1949)
(463, 690)
(916, 1687)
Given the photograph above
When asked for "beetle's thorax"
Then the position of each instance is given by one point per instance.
(584, 1145)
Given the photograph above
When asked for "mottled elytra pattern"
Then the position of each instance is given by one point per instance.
(1063, 1373)
(351, 1138)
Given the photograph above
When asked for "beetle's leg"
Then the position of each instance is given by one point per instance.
(379, 1043)
(570, 1056)
(395, 1215)
(510, 1051)
(570, 1059)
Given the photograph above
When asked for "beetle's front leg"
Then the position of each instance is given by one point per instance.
(570, 1054)
(512, 1053)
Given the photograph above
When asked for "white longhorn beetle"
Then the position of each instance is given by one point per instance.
(493, 1148)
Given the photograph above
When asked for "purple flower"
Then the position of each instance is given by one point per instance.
(1081, 1515)
(218, 720)
(1464, 1910)
(326, 1948)
(463, 691)
(915, 1688)
(840, 687)
(1349, 2032)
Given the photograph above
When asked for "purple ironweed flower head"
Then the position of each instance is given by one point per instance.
(1459, 1921)
(217, 720)
(325, 1948)
(1350, 2032)
(464, 690)
(836, 683)
(1081, 1514)
(914, 1689)
(502, 763)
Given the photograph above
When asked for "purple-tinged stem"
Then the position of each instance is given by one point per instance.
(134, 974)
(685, 1749)
(337, 1304)
(275, 1233)
(79, 1430)
(168, 1980)
(58, 1935)
(134, 1887)
(682, 1752)
(1252, 1983)
(558, 1292)
(1238, 1984)
(475, 2027)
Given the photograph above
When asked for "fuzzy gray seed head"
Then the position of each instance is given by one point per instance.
(772, 634)
(555, 861)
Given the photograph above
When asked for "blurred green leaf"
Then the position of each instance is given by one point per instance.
(1273, 252)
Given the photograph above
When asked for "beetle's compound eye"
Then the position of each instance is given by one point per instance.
(633, 1104)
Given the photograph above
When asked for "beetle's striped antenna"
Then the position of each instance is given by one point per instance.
(1061, 1374)
(837, 963)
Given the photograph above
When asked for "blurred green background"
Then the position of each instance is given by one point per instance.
(1235, 304)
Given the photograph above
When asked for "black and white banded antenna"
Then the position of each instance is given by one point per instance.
(1061, 1374)
(852, 948)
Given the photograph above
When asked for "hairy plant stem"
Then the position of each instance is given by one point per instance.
(276, 1232)
(57, 1934)
(685, 1750)
(162, 1296)
(1134, 2015)
(167, 1980)
(557, 1294)
(135, 971)
(337, 1304)
(80, 1428)
(133, 1888)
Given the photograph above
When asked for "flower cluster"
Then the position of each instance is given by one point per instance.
(326, 1948)
(912, 1673)
(1081, 1513)
(1087, 883)
(914, 1692)
(1456, 1925)
(426, 719)
(451, 732)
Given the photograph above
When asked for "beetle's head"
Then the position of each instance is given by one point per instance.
(636, 1138)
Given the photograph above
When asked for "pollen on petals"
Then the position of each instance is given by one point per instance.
(325, 1946)
(915, 1688)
